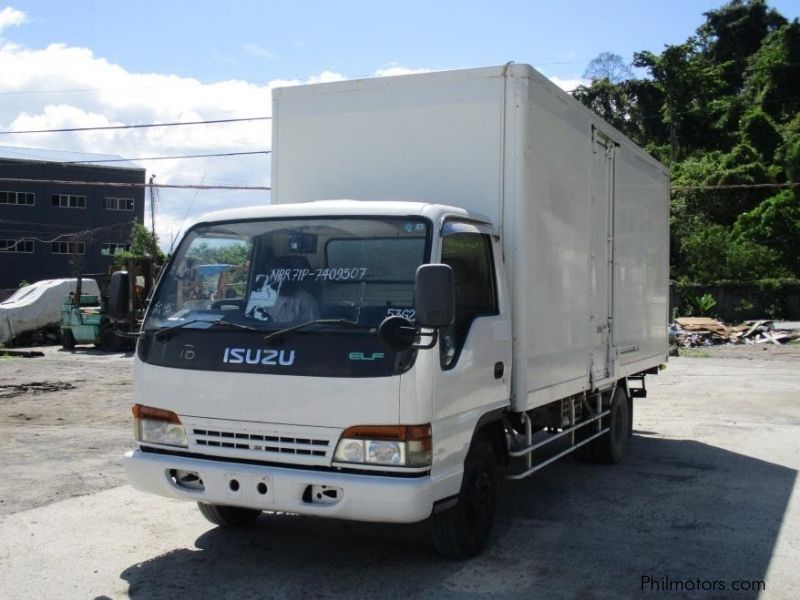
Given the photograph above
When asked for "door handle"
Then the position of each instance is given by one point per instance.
(499, 369)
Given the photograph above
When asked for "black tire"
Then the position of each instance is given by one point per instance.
(111, 341)
(463, 530)
(67, 340)
(630, 418)
(612, 447)
(228, 516)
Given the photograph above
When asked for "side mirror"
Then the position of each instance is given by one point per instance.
(397, 334)
(118, 296)
(434, 296)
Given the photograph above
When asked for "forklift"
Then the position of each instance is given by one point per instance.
(108, 321)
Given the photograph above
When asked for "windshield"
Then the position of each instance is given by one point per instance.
(273, 274)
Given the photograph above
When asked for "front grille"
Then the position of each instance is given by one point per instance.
(268, 444)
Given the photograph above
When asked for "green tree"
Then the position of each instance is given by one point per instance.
(715, 253)
(143, 243)
(609, 67)
(722, 110)
(734, 32)
(775, 223)
(772, 77)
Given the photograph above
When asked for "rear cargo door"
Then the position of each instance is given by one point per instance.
(601, 256)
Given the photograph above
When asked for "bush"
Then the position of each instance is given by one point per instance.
(712, 252)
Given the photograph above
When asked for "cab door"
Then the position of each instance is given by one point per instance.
(474, 354)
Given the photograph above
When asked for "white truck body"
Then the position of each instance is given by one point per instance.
(571, 222)
(563, 188)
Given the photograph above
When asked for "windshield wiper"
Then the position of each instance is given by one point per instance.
(340, 322)
(166, 333)
(232, 325)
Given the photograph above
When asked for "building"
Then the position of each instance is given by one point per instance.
(59, 215)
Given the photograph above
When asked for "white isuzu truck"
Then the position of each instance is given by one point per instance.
(462, 276)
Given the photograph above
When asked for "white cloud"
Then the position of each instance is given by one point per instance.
(81, 89)
(393, 69)
(568, 85)
(11, 17)
(256, 50)
(325, 77)
(96, 92)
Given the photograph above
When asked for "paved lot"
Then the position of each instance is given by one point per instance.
(709, 492)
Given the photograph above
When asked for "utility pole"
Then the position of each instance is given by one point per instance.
(153, 213)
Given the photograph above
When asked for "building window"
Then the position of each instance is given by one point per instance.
(118, 203)
(67, 247)
(111, 248)
(69, 201)
(19, 246)
(21, 198)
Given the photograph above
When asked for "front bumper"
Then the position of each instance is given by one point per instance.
(357, 497)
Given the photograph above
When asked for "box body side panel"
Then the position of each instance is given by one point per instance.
(436, 139)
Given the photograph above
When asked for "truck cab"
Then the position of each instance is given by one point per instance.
(277, 390)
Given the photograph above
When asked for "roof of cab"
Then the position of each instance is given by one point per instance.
(339, 208)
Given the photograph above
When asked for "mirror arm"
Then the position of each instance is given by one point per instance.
(434, 338)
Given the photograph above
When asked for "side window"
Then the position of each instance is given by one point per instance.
(470, 257)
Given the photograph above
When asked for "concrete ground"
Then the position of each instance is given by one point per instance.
(708, 495)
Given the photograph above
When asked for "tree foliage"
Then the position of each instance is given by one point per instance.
(143, 243)
(720, 109)
(608, 66)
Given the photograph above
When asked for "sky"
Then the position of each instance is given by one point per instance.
(79, 64)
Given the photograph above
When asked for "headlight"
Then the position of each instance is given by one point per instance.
(158, 426)
(391, 445)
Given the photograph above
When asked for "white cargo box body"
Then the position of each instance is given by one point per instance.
(582, 211)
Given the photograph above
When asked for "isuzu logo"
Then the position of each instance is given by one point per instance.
(258, 356)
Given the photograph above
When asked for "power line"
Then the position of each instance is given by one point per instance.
(141, 126)
(254, 188)
(107, 160)
(139, 158)
(80, 233)
(735, 186)
(40, 225)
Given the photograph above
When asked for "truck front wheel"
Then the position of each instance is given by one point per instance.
(462, 531)
(228, 516)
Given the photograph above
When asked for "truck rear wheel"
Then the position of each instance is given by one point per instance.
(228, 516)
(611, 448)
(462, 531)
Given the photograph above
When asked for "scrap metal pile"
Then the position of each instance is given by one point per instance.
(690, 332)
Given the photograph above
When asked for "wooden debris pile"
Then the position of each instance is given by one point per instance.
(690, 332)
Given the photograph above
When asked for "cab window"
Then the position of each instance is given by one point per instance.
(470, 257)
